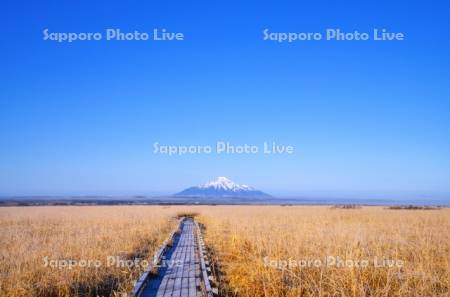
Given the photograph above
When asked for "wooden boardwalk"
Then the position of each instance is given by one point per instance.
(180, 271)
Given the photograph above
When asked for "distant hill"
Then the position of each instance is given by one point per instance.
(222, 187)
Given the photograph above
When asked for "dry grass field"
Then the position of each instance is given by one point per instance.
(253, 242)
(261, 250)
(29, 234)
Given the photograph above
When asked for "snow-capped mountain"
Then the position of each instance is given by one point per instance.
(221, 187)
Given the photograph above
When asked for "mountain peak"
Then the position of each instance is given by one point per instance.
(222, 187)
(223, 179)
(225, 183)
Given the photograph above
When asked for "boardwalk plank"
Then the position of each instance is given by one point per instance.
(180, 275)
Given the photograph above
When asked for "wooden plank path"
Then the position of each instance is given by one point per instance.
(182, 271)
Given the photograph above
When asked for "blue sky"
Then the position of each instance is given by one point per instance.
(367, 119)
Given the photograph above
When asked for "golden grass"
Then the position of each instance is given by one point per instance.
(247, 238)
(29, 234)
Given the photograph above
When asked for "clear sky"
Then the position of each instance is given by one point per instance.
(366, 118)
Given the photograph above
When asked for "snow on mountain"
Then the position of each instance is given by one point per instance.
(226, 184)
(222, 187)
